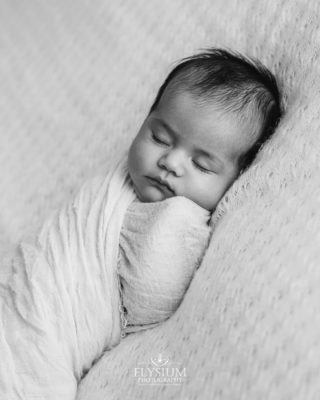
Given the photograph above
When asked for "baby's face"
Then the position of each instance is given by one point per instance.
(186, 149)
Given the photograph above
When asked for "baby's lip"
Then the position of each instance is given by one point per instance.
(162, 182)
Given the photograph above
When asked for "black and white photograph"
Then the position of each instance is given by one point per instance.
(159, 200)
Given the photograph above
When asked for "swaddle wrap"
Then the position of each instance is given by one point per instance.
(61, 301)
(161, 246)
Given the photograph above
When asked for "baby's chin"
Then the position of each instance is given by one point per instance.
(151, 194)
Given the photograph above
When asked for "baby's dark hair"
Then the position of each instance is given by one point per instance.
(238, 83)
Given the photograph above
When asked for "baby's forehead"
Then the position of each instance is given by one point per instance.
(247, 118)
(202, 107)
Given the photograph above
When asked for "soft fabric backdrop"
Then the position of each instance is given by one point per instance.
(76, 79)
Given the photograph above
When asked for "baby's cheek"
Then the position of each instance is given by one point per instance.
(222, 186)
(192, 189)
(149, 156)
(135, 157)
(208, 192)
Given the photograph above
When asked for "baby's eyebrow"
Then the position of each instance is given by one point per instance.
(206, 154)
(166, 126)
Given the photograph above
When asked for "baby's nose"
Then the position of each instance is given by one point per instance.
(172, 162)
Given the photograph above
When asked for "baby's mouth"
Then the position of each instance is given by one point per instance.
(162, 184)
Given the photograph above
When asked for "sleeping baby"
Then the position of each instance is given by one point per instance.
(120, 256)
(209, 119)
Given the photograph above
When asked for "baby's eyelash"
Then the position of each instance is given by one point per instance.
(157, 140)
(202, 169)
